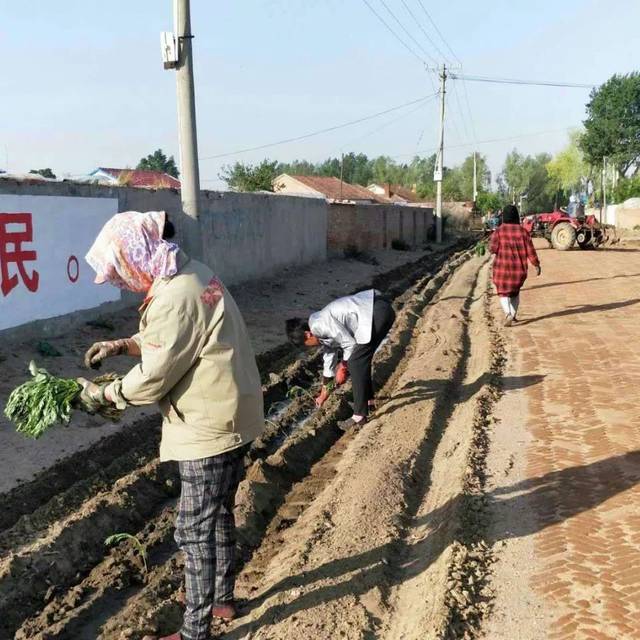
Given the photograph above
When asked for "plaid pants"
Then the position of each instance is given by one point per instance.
(205, 532)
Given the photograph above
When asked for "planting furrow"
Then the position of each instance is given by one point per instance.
(61, 564)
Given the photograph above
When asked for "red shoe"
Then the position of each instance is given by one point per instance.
(225, 612)
(174, 636)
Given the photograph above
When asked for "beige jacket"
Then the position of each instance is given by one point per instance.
(198, 364)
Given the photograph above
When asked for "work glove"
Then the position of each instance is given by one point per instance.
(99, 351)
(322, 398)
(342, 373)
(92, 396)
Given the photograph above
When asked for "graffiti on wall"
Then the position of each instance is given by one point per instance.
(43, 241)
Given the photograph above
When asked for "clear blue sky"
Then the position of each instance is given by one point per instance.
(82, 82)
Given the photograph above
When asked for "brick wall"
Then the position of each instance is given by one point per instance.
(374, 226)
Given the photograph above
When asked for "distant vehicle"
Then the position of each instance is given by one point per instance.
(563, 231)
(493, 221)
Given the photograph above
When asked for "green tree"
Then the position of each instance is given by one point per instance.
(612, 127)
(490, 201)
(569, 170)
(158, 161)
(45, 173)
(625, 189)
(465, 179)
(526, 178)
(245, 177)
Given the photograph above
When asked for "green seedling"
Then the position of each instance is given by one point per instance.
(296, 392)
(47, 349)
(120, 537)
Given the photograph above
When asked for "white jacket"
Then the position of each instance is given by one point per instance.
(343, 324)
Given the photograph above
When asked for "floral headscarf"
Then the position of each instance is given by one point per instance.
(130, 253)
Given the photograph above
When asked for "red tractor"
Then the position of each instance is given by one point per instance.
(562, 231)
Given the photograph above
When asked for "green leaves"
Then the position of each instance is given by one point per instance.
(45, 400)
(120, 537)
(41, 402)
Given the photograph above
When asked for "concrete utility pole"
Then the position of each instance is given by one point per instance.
(475, 180)
(603, 211)
(187, 136)
(437, 174)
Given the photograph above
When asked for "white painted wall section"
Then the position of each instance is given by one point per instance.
(43, 241)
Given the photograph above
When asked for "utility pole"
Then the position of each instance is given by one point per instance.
(475, 180)
(341, 173)
(603, 211)
(187, 136)
(437, 174)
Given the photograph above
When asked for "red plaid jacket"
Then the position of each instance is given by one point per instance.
(512, 246)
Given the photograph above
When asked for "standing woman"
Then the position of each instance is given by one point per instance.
(513, 249)
(197, 363)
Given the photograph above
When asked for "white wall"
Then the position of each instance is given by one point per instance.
(63, 230)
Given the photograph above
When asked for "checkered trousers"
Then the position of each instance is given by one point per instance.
(205, 532)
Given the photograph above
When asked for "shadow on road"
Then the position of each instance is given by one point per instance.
(560, 284)
(551, 498)
(582, 308)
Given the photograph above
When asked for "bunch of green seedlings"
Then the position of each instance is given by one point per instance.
(45, 400)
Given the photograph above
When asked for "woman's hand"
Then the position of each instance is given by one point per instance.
(100, 351)
(93, 396)
(538, 270)
(322, 398)
(342, 373)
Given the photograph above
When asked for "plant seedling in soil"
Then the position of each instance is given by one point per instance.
(296, 392)
(47, 349)
(119, 537)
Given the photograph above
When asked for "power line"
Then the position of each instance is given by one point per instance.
(395, 35)
(542, 83)
(489, 141)
(387, 124)
(435, 26)
(318, 132)
(406, 6)
(393, 15)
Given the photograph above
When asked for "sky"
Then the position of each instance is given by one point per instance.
(82, 82)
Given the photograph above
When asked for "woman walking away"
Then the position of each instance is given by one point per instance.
(513, 248)
(356, 325)
(197, 363)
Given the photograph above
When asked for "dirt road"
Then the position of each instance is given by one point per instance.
(493, 494)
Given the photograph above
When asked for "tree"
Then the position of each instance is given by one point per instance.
(569, 170)
(612, 127)
(526, 177)
(466, 176)
(245, 177)
(45, 173)
(488, 201)
(158, 161)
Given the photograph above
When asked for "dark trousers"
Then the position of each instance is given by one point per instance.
(206, 533)
(362, 356)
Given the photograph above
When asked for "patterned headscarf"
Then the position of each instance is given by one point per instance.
(130, 253)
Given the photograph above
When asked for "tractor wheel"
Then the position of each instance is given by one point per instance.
(585, 239)
(563, 236)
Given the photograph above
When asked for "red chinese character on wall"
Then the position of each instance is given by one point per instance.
(17, 255)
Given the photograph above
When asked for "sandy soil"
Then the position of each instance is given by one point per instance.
(265, 305)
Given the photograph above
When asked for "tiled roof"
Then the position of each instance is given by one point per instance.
(332, 189)
(404, 193)
(143, 178)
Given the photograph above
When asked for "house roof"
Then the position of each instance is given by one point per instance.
(142, 178)
(335, 189)
(398, 193)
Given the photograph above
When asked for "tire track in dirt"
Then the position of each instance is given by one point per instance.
(77, 604)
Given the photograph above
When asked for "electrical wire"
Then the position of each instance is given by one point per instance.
(489, 141)
(393, 15)
(427, 36)
(387, 124)
(318, 132)
(435, 26)
(395, 35)
(542, 83)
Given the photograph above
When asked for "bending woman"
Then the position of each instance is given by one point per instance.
(355, 325)
(197, 363)
(513, 248)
